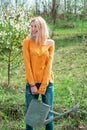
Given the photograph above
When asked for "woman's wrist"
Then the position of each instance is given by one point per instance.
(32, 85)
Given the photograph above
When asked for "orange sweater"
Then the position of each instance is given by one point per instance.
(38, 63)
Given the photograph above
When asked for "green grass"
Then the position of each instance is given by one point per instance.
(79, 30)
(70, 70)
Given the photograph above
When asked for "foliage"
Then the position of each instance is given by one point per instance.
(56, 9)
(70, 70)
(14, 27)
(11, 107)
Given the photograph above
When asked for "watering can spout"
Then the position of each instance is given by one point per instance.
(59, 115)
(75, 108)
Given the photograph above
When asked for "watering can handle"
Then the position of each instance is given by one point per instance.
(53, 112)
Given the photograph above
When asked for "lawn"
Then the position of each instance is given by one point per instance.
(70, 70)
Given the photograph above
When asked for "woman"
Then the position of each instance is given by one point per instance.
(38, 51)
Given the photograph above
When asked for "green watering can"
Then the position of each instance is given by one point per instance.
(36, 115)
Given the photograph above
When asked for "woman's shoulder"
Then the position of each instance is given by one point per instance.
(26, 40)
(50, 42)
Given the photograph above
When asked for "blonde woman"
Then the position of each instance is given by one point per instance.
(38, 52)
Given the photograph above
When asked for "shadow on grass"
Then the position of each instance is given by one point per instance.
(66, 42)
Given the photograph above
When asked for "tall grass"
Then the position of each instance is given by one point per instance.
(79, 29)
(70, 71)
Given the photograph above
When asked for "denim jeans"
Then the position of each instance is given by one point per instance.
(48, 98)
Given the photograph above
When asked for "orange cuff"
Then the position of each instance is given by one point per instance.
(42, 90)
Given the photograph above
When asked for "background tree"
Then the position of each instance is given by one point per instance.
(84, 10)
(14, 22)
(54, 9)
(13, 30)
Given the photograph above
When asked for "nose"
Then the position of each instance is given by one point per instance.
(33, 28)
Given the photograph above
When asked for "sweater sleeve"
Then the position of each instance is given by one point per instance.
(26, 54)
(47, 71)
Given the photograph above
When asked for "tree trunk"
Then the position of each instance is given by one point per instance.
(54, 11)
(16, 2)
(9, 67)
(75, 9)
(65, 6)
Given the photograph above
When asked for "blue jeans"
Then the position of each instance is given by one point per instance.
(48, 98)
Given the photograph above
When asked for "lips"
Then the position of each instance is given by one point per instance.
(34, 32)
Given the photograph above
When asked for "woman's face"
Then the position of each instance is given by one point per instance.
(34, 29)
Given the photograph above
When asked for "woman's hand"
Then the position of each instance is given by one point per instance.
(34, 90)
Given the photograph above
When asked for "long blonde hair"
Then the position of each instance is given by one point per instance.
(42, 27)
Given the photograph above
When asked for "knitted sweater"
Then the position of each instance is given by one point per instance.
(38, 63)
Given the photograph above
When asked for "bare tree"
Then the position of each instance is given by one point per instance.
(54, 10)
(75, 7)
(16, 3)
(37, 6)
(84, 5)
(65, 5)
(0, 6)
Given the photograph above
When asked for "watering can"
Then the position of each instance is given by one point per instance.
(36, 115)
